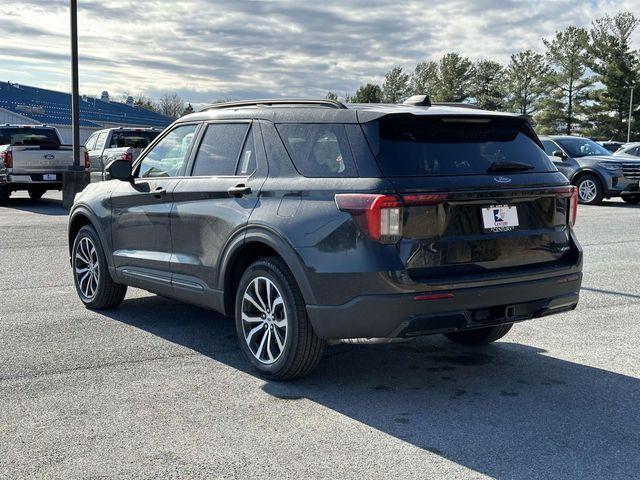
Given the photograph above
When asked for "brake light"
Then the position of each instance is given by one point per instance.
(87, 161)
(7, 159)
(379, 215)
(573, 206)
(128, 156)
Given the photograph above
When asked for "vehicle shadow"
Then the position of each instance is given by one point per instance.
(43, 206)
(613, 203)
(506, 410)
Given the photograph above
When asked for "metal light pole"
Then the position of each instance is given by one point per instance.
(76, 178)
(75, 91)
(630, 112)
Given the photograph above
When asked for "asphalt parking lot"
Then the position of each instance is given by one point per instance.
(158, 389)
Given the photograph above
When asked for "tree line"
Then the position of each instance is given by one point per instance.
(170, 105)
(580, 83)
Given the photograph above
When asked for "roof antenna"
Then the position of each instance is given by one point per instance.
(418, 101)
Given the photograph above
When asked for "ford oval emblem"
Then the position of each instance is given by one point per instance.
(502, 179)
(50, 156)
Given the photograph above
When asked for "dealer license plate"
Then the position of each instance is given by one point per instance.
(500, 218)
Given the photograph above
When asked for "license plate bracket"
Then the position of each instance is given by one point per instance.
(500, 218)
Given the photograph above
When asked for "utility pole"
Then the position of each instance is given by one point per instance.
(76, 178)
(630, 113)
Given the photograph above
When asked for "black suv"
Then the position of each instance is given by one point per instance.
(312, 220)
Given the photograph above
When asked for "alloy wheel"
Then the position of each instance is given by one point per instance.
(264, 320)
(87, 268)
(587, 190)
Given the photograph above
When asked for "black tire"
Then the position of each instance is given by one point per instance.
(302, 348)
(631, 199)
(36, 193)
(479, 336)
(107, 294)
(5, 193)
(599, 189)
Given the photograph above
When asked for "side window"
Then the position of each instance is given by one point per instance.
(102, 138)
(635, 151)
(318, 150)
(247, 163)
(166, 158)
(549, 147)
(91, 142)
(219, 150)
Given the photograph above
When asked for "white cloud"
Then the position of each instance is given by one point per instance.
(210, 49)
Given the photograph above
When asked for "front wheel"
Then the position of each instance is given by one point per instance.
(274, 332)
(590, 190)
(631, 199)
(479, 336)
(94, 284)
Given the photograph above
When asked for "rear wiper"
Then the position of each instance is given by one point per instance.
(509, 167)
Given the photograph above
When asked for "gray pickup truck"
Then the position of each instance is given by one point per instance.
(33, 158)
(120, 143)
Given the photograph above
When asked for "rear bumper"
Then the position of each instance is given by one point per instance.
(401, 315)
(25, 181)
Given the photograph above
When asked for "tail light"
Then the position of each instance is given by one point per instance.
(381, 216)
(87, 161)
(7, 159)
(573, 206)
(128, 156)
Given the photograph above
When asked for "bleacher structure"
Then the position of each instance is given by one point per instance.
(27, 105)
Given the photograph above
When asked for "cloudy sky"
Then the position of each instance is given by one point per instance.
(219, 49)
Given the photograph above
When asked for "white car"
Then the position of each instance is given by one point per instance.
(632, 149)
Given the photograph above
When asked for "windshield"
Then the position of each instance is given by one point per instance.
(582, 147)
(406, 145)
(28, 136)
(134, 139)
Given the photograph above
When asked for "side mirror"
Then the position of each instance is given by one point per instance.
(559, 153)
(120, 170)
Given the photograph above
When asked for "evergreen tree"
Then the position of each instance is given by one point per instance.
(425, 79)
(455, 78)
(396, 86)
(615, 66)
(331, 96)
(368, 93)
(568, 82)
(488, 85)
(526, 77)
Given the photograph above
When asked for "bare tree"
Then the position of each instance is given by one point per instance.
(171, 105)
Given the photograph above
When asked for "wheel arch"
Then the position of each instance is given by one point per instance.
(586, 171)
(256, 243)
(80, 217)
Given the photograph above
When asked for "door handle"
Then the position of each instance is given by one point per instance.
(159, 191)
(239, 190)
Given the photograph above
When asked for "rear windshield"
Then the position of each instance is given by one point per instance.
(28, 136)
(132, 139)
(406, 145)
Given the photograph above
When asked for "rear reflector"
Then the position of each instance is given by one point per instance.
(87, 160)
(573, 206)
(433, 296)
(127, 156)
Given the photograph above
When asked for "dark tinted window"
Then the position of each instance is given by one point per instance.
(582, 147)
(132, 139)
(220, 149)
(318, 150)
(408, 146)
(28, 136)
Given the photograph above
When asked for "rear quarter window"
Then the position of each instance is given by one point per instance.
(406, 145)
(319, 150)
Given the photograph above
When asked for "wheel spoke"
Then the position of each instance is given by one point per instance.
(261, 347)
(252, 332)
(268, 284)
(278, 339)
(248, 297)
(258, 296)
(269, 341)
(248, 319)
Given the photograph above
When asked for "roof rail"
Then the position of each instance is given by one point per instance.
(273, 102)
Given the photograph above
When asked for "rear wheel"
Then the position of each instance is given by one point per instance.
(94, 284)
(631, 199)
(590, 190)
(479, 336)
(36, 193)
(5, 193)
(271, 321)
